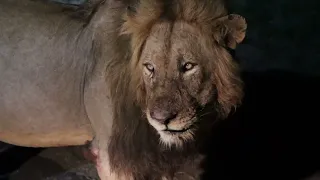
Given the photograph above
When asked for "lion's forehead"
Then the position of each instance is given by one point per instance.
(169, 42)
(183, 30)
(166, 32)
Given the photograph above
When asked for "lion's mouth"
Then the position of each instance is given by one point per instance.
(177, 131)
(187, 128)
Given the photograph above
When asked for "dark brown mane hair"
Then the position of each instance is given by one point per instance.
(134, 146)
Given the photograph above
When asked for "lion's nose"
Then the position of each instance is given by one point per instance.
(162, 116)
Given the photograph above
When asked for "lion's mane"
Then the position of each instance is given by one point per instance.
(134, 146)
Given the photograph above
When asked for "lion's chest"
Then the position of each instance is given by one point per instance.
(190, 170)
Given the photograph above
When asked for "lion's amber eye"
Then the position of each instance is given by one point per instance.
(187, 67)
(149, 67)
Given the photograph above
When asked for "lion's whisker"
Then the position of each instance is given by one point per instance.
(204, 114)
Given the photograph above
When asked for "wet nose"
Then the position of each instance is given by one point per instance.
(162, 116)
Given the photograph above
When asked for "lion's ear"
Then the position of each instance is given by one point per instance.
(230, 30)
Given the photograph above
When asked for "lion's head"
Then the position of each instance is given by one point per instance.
(180, 63)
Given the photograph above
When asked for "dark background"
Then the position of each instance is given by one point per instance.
(275, 134)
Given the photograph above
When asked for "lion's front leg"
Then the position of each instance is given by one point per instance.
(103, 166)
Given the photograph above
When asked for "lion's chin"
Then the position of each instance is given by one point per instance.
(176, 133)
(170, 138)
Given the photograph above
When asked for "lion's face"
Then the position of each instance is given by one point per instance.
(180, 67)
(178, 79)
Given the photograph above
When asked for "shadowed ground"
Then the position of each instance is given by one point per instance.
(275, 134)
(65, 163)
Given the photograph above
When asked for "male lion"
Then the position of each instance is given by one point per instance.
(147, 79)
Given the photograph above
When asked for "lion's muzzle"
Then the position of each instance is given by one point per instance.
(163, 116)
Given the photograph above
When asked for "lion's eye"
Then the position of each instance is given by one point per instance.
(149, 67)
(187, 67)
